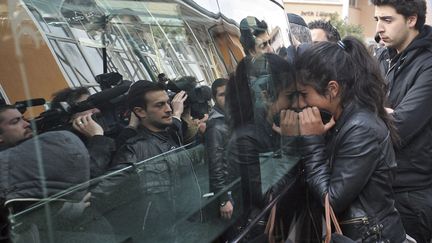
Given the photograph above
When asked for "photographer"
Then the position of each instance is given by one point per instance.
(64, 161)
(153, 185)
(160, 127)
(13, 130)
(101, 148)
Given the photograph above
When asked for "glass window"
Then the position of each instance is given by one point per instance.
(101, 168)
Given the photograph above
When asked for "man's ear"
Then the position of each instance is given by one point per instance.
(333, 88)
(412, 21)
(140, 112)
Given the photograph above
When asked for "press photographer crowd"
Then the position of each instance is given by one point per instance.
(321, 141)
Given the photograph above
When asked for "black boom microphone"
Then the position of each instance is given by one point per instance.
(101, 98)
(22, 105)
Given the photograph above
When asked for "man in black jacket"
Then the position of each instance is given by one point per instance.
(64, 160)
(215, 139)
(160, 125)
(13, 130)
(400, 25)
(153, 152)
(101, 148)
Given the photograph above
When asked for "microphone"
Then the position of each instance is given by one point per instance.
(22, 105)
(100, 98)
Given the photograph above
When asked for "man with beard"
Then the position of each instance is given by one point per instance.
(160, 126)
(13, 127)
(13, 130)
(62, 157)
(152, 185)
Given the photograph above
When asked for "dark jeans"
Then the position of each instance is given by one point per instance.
(415, 208)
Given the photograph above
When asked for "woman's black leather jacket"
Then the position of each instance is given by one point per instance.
(356, 166)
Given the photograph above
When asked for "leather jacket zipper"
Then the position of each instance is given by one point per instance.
(363, 220)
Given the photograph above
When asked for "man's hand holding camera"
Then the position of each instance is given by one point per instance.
(85, 125)
(177, 103)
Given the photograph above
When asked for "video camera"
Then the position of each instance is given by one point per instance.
(198, 96)
(111, 101)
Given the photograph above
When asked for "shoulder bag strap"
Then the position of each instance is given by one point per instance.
(330, 217)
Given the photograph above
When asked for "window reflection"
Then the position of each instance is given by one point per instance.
(143, 39)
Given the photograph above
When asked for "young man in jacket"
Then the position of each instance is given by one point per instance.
(159, 130)
(215, 139)
(400, 25)
(154, 185)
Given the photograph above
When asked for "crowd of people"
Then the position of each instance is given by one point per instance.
(372, 159)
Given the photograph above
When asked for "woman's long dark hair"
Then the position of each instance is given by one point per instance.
(349, 63)
(240, 99)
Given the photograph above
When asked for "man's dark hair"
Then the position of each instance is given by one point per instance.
(138, 90)
(69, 95)
(407, 8)
(162, 77)
(332, 33)
(216, 84)
(2, 109)
(251, 27)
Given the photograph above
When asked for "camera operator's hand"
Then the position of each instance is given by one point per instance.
(87, 126)
(177, 103)
(201, 123)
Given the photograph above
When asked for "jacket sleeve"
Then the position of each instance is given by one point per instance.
(101, 149)
(353, 163)
(118, 188)
(214, 147)
(125, 155)
(121, 184)
(410, 115)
